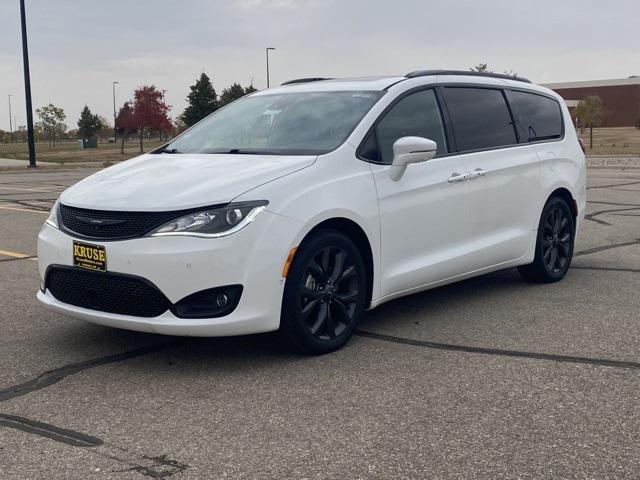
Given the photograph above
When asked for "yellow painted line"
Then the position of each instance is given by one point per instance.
(8, 253)
(23, 210)
(26, 189)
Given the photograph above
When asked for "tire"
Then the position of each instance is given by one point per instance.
(554, 244)
(324, 294)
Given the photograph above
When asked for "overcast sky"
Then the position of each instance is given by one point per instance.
(79, 47)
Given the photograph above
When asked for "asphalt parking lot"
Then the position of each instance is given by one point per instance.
(491, 378)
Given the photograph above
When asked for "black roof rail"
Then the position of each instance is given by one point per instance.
(304, 80)
(504, 76)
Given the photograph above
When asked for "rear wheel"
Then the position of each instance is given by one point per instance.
(324, 295)
(554, 244)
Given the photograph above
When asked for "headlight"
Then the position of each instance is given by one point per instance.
(52, 219)
(217, 222)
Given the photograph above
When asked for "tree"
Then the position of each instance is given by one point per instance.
(481, 67)
(89, 124)
(484, 68)
(228, 95)
(150, 111)
(250, 89)
(638, 123)
(51, 118)
(147, 112)
(203, 100)
(106, 129)
(179, 126)
(589, 114)
(125, 123)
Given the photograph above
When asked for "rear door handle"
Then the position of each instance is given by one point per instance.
(478, 172)
(457, 177)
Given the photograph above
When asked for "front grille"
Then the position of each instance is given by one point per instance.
(112, 225)
(106, 292)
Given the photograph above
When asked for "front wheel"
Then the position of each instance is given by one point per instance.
(324, 294)
(554, 244)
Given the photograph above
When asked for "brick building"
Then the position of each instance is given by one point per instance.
(620, 98)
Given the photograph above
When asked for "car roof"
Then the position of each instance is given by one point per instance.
(380, 83)
(330, 84)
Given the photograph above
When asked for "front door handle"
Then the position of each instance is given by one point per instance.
(457, 177)
(478, 172)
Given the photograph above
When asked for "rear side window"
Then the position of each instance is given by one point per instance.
(538, 117)
(416, 115)
(480, 118)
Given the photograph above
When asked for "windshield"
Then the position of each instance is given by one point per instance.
(297, 123)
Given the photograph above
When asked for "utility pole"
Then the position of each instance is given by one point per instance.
(27, 88)
(267, 52)
(115, 132)
(10, 123)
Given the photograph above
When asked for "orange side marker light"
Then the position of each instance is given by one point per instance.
(287, 263)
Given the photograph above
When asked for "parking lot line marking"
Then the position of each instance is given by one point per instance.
(2, 207)
(39, 190)
(8, 253)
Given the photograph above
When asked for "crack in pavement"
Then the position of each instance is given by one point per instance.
(75, 439)
(614, 203)
(591, 216)
(606, 247)
(611, 186)
(608, 269)
(51, 377)
(499, 352)
(154, 467)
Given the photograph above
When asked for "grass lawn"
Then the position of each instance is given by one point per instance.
(606, 141)
(613, 141)
(71, 152)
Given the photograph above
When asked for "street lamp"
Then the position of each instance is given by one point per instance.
(115, 134)
(10, 124)
(267, 52)
(27, 87)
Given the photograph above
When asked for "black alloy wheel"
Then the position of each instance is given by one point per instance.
(556, 240)
(554, 243)
(324, 295)
(329, 294)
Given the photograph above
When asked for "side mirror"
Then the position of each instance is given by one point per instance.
(408, 150)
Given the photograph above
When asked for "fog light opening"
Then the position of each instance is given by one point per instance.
(210, 303)
(222, 300)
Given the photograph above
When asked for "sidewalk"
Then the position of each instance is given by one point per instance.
(11, 162)
(8, 164)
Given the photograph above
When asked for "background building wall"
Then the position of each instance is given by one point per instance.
(621, 103)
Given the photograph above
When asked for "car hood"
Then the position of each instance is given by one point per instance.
(160, 182)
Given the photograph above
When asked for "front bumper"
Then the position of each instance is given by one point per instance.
(181, 266)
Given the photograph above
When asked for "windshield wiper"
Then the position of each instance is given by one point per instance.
(169, 150)
(240, 151)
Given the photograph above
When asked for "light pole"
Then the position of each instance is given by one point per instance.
(115, 134)
(267, 52)
(27, 88)
(10, 124)
(163, 103)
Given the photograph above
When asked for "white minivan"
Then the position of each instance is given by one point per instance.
(297, 208)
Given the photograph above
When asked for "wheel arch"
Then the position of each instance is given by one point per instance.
(357, 234)
(566, 195)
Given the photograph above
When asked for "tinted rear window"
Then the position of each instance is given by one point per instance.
(480, 118)
(539, 117)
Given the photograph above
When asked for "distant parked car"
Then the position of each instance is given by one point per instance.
(299, 207)
(111, 140)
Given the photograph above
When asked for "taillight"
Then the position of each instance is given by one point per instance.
(581, 142)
